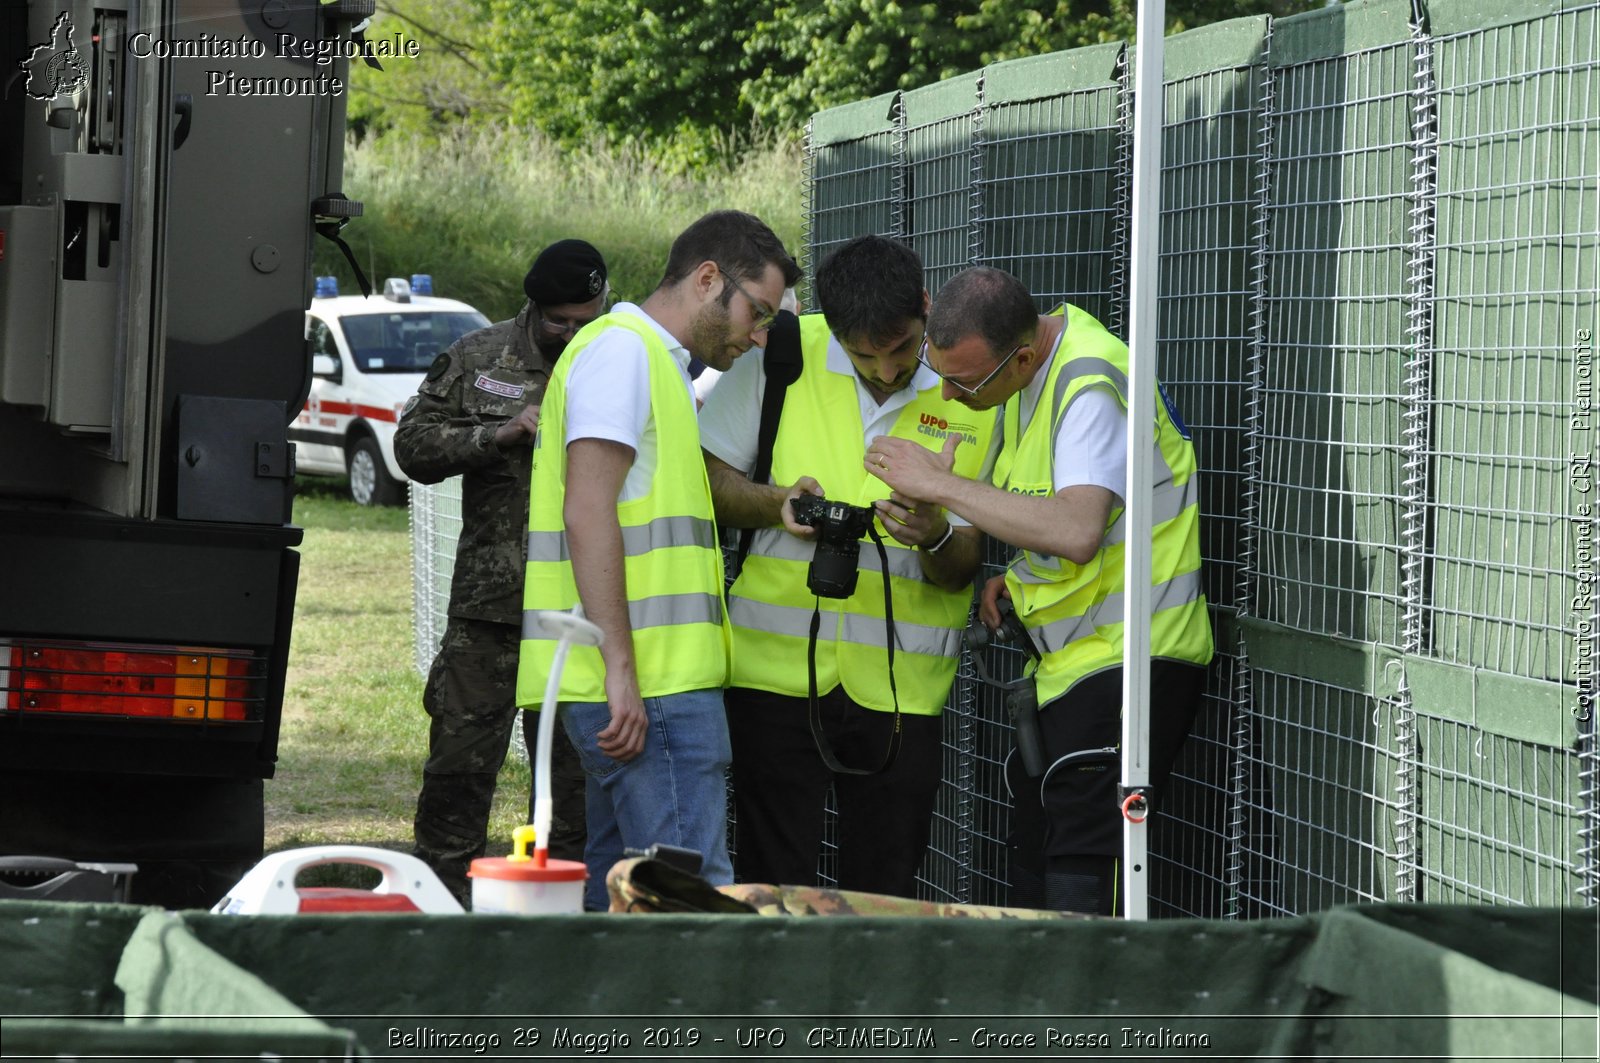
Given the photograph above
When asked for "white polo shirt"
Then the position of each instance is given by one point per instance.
(608, 395)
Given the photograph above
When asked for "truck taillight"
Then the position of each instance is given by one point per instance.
(107, 679)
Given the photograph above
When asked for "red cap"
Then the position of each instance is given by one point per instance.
(336, 899)
(503, 867)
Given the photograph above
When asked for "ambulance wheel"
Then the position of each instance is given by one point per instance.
(370, 482)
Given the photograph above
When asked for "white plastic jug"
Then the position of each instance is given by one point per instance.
(269, 888)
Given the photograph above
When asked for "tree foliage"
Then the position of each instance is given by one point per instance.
(687, 79)
(624, 71)
(448, 84)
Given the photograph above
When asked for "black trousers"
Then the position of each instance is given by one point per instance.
(780, 785)
(1066, 826)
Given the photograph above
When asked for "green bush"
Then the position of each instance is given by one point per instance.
(475, 208)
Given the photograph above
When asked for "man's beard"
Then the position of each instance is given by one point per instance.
(709, 336)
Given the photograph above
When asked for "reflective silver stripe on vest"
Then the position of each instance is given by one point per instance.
(1025, 574)
(636, 539)
(779, 544)
(660, 611)
(795, 622)
(1167, 505)
(1179, 590)
(1082, 367)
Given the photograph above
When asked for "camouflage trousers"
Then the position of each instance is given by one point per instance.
(470, 697)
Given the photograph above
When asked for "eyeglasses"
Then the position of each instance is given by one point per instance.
(554, 328)
(765, 315)
(922, 356)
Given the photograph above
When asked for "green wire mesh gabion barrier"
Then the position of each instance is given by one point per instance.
(1379, 271)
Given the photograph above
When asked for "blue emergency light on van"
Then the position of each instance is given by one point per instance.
(422, 284)
(327, 287)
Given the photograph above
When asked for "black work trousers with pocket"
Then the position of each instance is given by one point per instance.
(780, 786)
(1066, 826)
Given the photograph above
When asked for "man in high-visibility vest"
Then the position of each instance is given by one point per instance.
(1057, 494)
(474, 416)
(859, 379)
(620, 520)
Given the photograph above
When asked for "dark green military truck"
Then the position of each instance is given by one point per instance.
(164, 167)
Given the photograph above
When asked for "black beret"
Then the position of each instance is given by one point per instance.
(568, 271)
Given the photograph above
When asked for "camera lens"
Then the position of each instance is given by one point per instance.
(833, 569)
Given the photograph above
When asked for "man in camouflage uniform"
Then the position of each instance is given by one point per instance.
(475, 416)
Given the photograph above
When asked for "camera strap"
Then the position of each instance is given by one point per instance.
(830, 758)
(781, 362)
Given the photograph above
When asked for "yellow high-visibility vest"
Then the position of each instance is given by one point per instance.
(1075, 612)
(671, 560)
(821, 436)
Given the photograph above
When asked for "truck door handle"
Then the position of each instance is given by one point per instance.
(183, 107)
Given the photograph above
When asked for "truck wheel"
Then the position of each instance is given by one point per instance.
(370, 482)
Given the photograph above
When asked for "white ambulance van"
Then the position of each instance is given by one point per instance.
(367, 357)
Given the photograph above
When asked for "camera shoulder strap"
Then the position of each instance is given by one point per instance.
(829, 757)
(781, 362)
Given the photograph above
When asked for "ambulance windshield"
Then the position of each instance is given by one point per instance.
(405, 342)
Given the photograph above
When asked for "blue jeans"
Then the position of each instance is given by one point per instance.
(673, 793)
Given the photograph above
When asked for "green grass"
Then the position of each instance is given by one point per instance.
(354, 733)
(474, 209)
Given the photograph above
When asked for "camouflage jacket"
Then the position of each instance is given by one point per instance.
(447, 429)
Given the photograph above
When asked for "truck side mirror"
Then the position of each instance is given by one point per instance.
(327, 366)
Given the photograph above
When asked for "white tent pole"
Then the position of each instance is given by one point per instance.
(1142, 330)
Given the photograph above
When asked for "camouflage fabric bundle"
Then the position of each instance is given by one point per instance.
(645, 886)
(815, 900)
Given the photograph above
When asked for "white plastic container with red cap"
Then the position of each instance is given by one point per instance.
(520, 884)
(269, 888)
(537, 885)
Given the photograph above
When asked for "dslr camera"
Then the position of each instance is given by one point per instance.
(833, 567)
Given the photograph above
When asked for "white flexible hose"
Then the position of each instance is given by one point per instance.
(574, 629)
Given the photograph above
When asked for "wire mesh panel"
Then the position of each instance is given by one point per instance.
(968, 858)
(938, 175)
(424, 639)
(967, 809)
(435, 528)
(1334, 344)
(1210, 167)
(1054, 176)
(1322, 825)
(1511, 510)
(1499, 818)
(854, 175)
(1336, 323)
(1518, 230)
